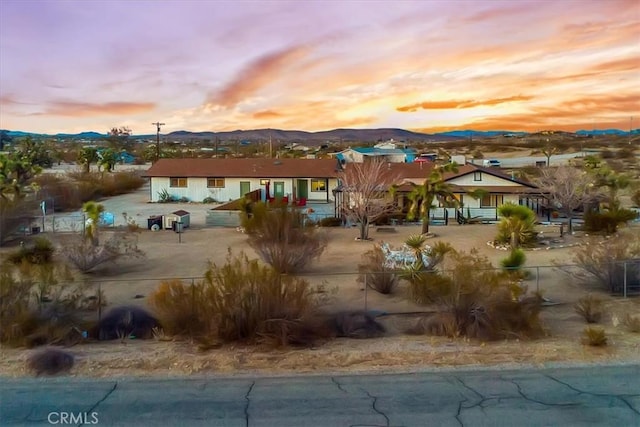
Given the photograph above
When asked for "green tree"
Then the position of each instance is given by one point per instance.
(422, 197)
(108, 159)
(93, 211)
(88, 156)
(517, 225)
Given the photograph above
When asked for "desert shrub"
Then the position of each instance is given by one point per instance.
(603, 261)
(631, 322)
(608, 221)
(209, 200)
(635, 198)
(179, 308)
(244, 301)
(485, 303)
(39, 252)
(590, 308)
(375, 273)
(86, 256)
(330, 222)
(356, 325)
(50, 361)
(514, 261)
(39, 304)
(517, 225)
(183, 199)
(165, 197)
(126, 322)
(438, 324)
(281, 238)
(595, 337)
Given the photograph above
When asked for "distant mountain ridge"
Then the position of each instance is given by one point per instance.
(344, 135)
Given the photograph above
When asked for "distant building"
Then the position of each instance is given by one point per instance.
(362, 154)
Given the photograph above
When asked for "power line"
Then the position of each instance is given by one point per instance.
(157, 125)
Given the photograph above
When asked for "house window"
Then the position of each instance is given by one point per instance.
(178, 182)
(491, 200)
(477, 176)
(215, 182)
(318, 185)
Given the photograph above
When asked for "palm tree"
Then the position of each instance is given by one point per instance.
(93, 211)
(423, 196)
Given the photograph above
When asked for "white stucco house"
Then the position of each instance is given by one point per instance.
(229, 179)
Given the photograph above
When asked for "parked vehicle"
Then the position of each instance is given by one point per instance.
(491, 163)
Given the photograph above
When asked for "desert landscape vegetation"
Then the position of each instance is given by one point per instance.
(470, 308)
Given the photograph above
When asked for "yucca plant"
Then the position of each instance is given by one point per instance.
(594, 336)
(591, 308)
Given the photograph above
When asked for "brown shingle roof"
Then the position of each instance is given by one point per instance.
(244, 168)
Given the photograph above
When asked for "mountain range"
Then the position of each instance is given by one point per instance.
(343, 135)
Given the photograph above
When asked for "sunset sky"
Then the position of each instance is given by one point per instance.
(72, 66)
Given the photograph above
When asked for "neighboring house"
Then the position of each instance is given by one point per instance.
(495, 188)
(230, 179)
(391, 155)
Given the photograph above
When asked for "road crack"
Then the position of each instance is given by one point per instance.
(338, 385)
(621, 397)
(246, 408)
(540, 402)
(95, 406)
(373, 405)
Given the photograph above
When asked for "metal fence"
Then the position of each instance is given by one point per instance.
(351, 291)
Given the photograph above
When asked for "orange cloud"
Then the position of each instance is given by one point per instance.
(579, 113)
(446, 105)
(258, 74)
(85, 109)
(500, 12)
(266, 114)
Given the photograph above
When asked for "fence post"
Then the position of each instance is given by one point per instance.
(193, 300)
(99, 302)
(624, 281)
(366, 287)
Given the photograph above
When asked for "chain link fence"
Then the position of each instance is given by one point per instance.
(351, 291)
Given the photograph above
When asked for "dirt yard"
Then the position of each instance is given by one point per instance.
(131, 281)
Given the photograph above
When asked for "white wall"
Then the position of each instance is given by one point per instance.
(486, 179)
(197, 190)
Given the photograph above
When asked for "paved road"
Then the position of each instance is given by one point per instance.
(602, 396)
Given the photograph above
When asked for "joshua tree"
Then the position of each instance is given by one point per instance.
(433, 188)
(93, 211)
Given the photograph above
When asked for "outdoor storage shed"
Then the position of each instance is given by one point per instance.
(177, 216)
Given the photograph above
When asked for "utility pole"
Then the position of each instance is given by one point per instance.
(157, 125)
(630, 129)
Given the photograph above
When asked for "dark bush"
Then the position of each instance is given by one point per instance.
(608, 221)
(126, 322)
(50, 361)
(39, 252)
(514, 261)
(357, 325)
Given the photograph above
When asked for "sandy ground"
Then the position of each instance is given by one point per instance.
(166, 257)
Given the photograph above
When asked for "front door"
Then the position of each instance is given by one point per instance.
(278, 189)
(245, 187)
(303, 189)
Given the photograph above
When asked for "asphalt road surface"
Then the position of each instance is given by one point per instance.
(595, 396)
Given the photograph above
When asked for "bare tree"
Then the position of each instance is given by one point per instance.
(567, 188)
(366, 192)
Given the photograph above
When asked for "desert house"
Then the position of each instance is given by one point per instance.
(225, 180)
(387, 152)
(479, 191)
